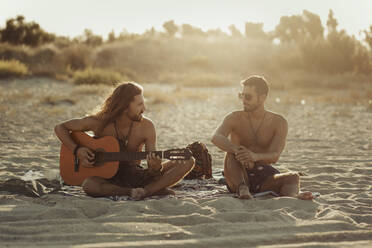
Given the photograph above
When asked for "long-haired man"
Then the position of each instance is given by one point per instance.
(122, 117)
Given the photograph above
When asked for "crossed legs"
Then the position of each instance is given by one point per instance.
(173, 172)
(284, 184)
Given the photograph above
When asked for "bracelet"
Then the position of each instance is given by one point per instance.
(76, 149)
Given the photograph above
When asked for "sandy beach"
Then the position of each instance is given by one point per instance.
(328, 143)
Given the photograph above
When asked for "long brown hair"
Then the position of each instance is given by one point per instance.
(117, 102)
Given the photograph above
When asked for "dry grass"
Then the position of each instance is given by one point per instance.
(12, 68)
(309, 81)
(199, 61)
(55, 100)
(94, 76)
(20, 53)
(198, 79)
(174, 96)
(206, 80)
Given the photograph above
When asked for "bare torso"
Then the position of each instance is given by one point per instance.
(137, 136)
(243, 130)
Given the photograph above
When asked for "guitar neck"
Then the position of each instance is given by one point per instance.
(127, 156)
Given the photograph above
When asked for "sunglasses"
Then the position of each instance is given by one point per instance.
(247, 97)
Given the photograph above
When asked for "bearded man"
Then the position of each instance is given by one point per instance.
(122, 117)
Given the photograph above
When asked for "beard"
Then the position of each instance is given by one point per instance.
(135, 117)
(251, 108)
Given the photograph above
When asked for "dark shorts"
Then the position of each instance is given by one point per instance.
(257, 176)
(132, 175)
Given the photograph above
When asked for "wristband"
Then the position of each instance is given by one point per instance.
(76, 149)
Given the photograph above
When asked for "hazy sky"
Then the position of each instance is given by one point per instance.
(71, 17)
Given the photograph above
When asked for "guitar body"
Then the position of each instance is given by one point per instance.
(105, 170)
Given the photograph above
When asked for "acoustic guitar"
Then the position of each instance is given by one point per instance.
(107, 157)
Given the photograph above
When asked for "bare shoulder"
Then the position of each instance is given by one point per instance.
(88, 123)
(146, 124)
(91, 121)
(277, 119)
(234, 116)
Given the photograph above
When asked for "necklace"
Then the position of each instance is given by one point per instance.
(255, 132)
(123, 140)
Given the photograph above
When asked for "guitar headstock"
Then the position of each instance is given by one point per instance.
(178, 154)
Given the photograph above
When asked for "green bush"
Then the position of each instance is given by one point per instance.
(12, 68)
(97, 76)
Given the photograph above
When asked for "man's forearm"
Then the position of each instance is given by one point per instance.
(64, 136)
(224, 143)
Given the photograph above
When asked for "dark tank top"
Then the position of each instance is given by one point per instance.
(130, 173)
(123, 142)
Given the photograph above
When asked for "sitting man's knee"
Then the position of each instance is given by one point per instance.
(293, 178)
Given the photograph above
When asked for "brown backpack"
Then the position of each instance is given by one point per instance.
(203, 161)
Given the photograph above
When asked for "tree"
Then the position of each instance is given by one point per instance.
(188, 30)
(331, 22)
(298, 28)
(216, 32)
(111, 36)
(17, 32)
(313, 25)
(254, 30)
(362, 59)
(92, 39)
(150, 32)
(170, 27)
(368, 37)
(342, 50)
(234, 31)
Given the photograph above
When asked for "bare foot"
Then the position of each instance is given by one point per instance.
(138, 193)
(243, 192)
(306, 195)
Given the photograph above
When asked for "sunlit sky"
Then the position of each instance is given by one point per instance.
(71, 17)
